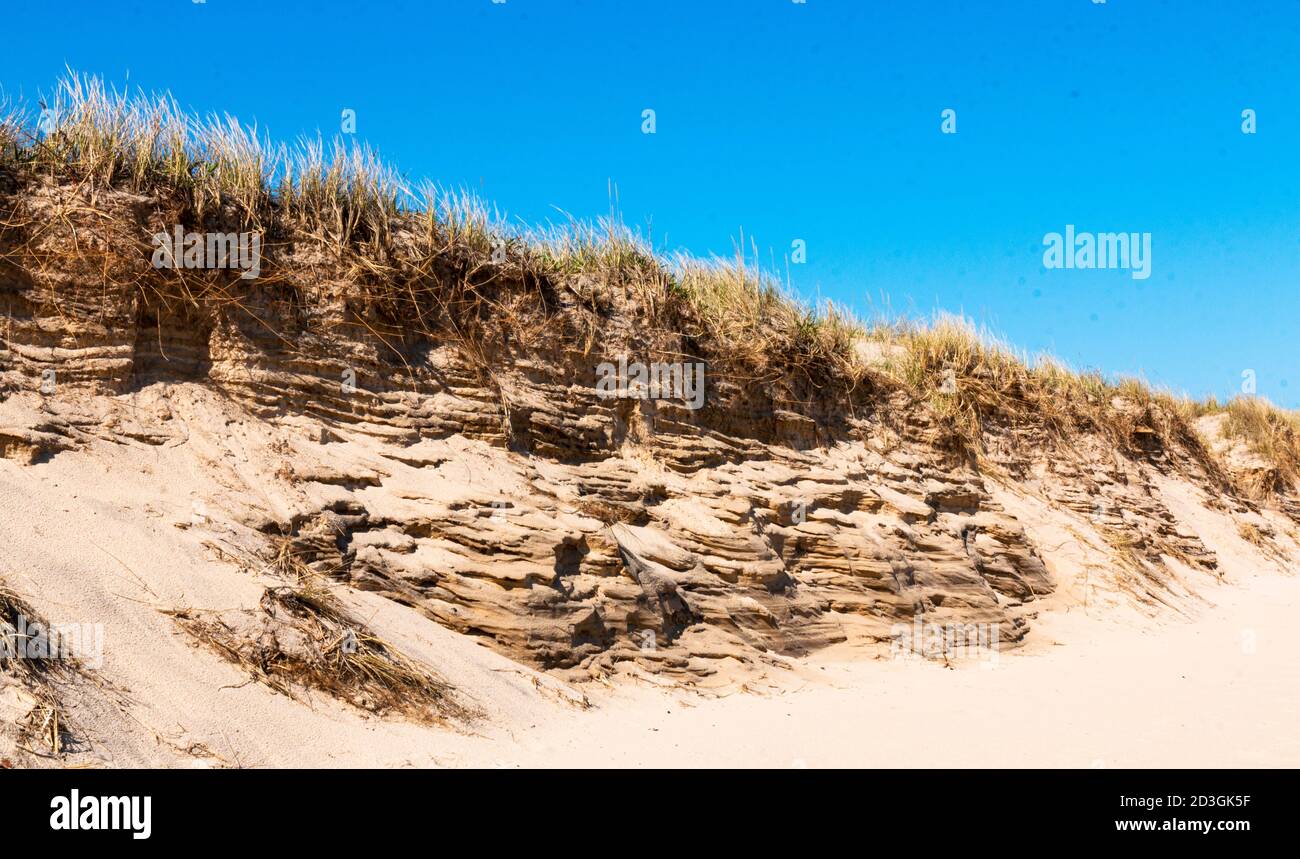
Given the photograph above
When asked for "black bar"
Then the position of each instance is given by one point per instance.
(529, 809)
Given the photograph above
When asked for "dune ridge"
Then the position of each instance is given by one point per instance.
(394, 438)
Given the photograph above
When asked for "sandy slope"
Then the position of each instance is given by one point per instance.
(1094, 687)
(1093, 694)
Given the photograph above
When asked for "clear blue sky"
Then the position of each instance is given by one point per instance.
(817, 121)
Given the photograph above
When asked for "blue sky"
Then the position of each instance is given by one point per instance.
(817, 121)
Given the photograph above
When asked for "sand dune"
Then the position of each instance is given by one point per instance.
(398, 498)
(111, 532)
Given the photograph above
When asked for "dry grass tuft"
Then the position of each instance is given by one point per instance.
(767, 330)
(1251, 534)
(304, 638)
(978, 384)
(46, 724)
(286, 561)
(1268, 432)
(1139, 572)
(11, 129)
(1265, 540)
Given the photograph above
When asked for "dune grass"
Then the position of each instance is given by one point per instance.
(978, 383)
(403, 245)
(342, 195)
(11, 131)
(1269, 432)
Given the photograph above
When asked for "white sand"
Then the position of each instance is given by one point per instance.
(1223, 691)
(95, 538)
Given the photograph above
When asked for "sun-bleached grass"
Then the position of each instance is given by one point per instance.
(105, 138)
(95, 134)
(344, 195)
(458, 218)
(1267, 431)
(740, 304)
(11, 130)
(344, 192)
(978, 382)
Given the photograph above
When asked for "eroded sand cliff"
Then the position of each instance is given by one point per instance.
(180, 445)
